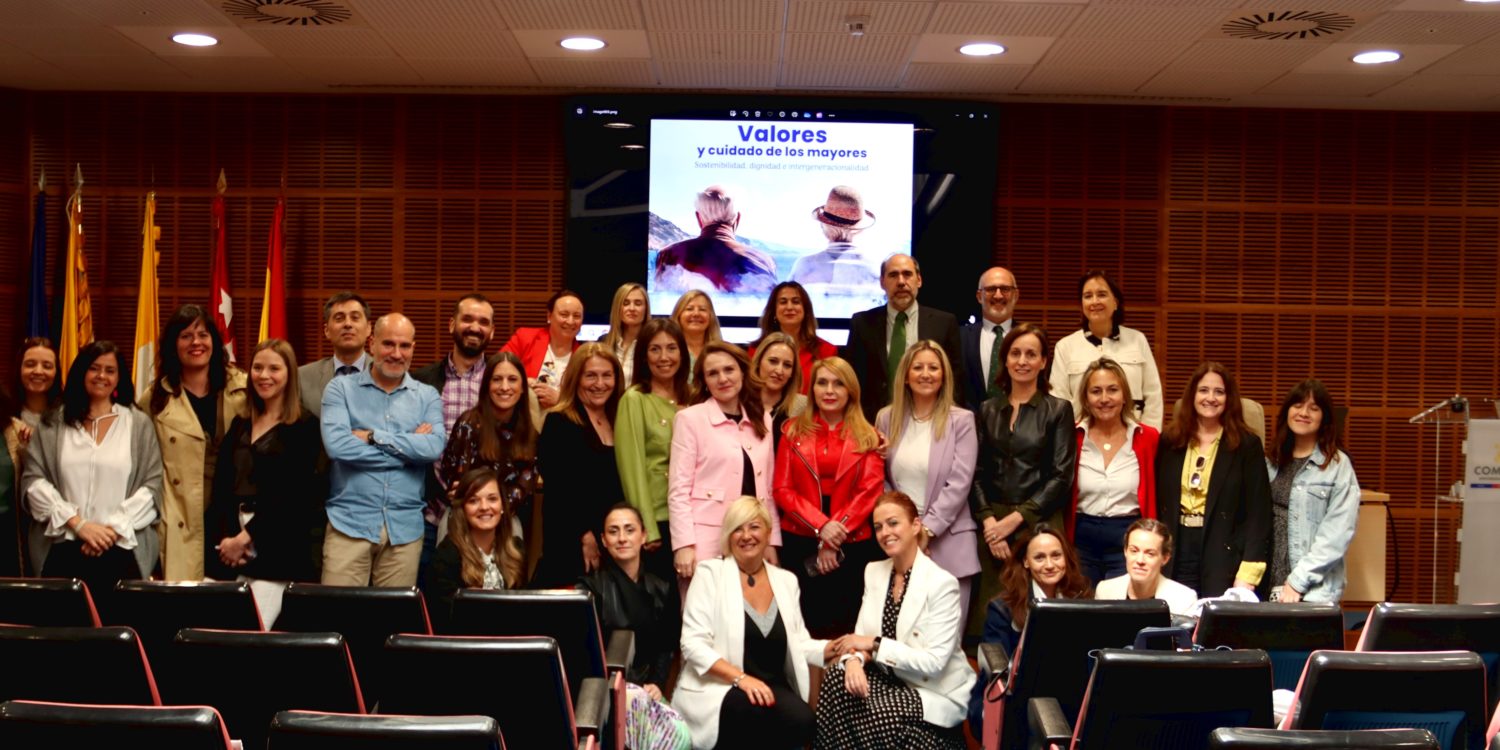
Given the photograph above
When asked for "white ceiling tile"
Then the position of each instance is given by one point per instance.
(959, 77)
(22, 71)
(239, 73)
(1479, 59)
(478, 44)
(1017, 19)
(1330, 84)
(186, 13)
(736, 16)
(107, 72)
(718, 75)
(1179, 3)
(629, 73)
(1085, 53)
(870, 48)
(570, 14)
(233, 42)
(406, 15)
(43, 13)
(1143, 23)
(1057, 80)
(820, 75)
(456, 72)
(943, 49)
(1446, 6)
(1244, 54)
(1334, 58)
(91, 41)
(1171, 82)
(320, 41)
(355, 71)
(884, 17)
(678, 45)
(1447, 92)
(1345, 6)
(1427, 28)
(620, 44)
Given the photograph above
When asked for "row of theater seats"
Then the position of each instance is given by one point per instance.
(336, 649)
(1069, 684)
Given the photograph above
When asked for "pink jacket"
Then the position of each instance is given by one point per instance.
(705, 475)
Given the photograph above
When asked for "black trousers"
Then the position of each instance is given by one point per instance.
(659, 563)
(830, 602)
(787, 724)
(66, 560)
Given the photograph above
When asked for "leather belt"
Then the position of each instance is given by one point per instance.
(1194, 521)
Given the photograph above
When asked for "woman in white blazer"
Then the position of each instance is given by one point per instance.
(902, 679)
(745, 649)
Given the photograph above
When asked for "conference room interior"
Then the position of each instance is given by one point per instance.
(1263, 202)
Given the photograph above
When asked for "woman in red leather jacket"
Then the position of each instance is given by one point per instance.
(828, 475)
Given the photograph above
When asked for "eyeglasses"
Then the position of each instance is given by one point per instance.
(1196, 480)
(999, 288)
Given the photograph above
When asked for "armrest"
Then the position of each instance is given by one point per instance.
(994, 664)
(1185, 621)
(1048, 724)
(591, 708)
(620, 651)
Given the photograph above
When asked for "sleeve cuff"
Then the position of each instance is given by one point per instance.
(1251, 572)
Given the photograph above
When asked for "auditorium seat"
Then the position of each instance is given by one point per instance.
(157, 609)
(1289, 633)
(60, 602)
(32, 724)
(1440, 691)
(1165, 700)
(1438, 627)
(280, 672)
(518, 681)
(75, 665)
(1321, 739)
(365, 615)
(310, 730)
(569, 617)
(1052, 659)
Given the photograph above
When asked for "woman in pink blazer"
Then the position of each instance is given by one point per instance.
(931, 458)
(721, 450)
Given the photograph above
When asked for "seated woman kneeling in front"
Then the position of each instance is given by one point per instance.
(902, 681)
(1148, 547)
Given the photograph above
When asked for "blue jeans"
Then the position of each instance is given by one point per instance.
(1100, 542)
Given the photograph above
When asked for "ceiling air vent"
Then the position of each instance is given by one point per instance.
(1288, 24)
(289, 12)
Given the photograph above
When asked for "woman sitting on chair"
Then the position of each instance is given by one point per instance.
(479, 552)
(1148, 547)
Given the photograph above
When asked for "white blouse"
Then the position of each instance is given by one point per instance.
(1109, 491)
(1074, 354)
(909, 462)
(95, 478)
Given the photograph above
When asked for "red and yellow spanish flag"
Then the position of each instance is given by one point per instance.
(273, 304)
(77, 311)
(147, 314)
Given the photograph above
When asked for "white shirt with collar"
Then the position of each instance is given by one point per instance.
(890, 324)
(990, 336)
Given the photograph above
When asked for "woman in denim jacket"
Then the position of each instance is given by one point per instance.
(1314, 498)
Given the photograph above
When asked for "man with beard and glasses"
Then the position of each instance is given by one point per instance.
(458, 378)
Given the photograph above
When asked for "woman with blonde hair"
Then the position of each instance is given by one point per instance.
(931, 458)
(578, 443)
(479, 552)
(629, 310)
(777, 364)
(694, 312)
(829, 473)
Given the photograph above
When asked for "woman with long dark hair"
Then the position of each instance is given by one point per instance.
(643, 435)
(789, 311)
(498, 433)
(195, 396)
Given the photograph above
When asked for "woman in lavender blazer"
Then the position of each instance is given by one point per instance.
(931, 458)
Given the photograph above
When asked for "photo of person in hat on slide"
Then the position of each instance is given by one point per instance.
(842, 217)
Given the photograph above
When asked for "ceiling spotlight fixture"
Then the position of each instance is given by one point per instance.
(619, 125)
(1482, 1)
(632, 147)
(982, 49)
(195, 40)
(1376, 57)
(582, 43)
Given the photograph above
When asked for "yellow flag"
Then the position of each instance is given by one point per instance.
(146, 312)
(78, 315)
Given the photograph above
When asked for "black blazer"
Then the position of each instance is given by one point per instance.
(288, 471)
(1237, 518)
(866, 353)
(1029, 469)
(580, 483)
(974, 386)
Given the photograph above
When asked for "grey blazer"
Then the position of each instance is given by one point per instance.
(312, 379)
(145, 471)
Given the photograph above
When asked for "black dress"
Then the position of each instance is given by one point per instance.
(891, 716)
(649, 607)
(281, 478)
(786, 724)
(580, 482)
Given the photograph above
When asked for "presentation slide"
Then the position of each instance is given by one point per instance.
(737, 207)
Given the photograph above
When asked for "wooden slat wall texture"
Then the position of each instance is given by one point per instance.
(1359, 247)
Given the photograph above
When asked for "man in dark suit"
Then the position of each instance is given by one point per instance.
(878, 337)
(997, 295)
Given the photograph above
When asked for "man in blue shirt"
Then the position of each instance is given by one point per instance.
(383, 430)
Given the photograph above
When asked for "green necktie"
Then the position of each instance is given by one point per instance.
(898, 349)
(994, 385)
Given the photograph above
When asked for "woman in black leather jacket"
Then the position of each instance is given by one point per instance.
(629, 598)
(1027, 453)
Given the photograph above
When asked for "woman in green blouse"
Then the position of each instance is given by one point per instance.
(643, 433)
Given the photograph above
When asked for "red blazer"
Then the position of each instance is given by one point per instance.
(858, 484)
(530, 344)
(1144, 445)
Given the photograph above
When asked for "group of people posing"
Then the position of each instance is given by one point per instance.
(762, 510)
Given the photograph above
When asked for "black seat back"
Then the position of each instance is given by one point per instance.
(365, 616)
(1052, 659)
(304, 730)
(47, 601)
(1289, 633)
(157, 610)
(291, 671)
(567, 616)
(537, 710)
(27, 724)
(75, 665)
(1173, 700)
(1321, 739)
(1442, 691)
(1438, 627)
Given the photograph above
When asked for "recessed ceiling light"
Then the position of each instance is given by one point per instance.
(982, 49)
(632, 147)
(619, 125)
(1482, 1)
(582, 43)
(1376, 57)
(195, 40)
